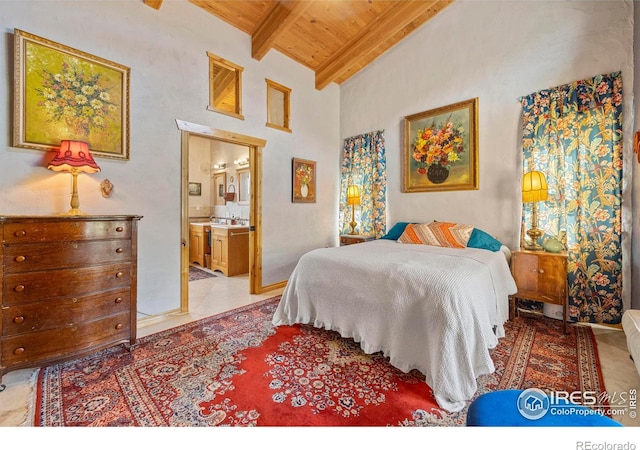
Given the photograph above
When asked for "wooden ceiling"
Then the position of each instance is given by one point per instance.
(334, 38)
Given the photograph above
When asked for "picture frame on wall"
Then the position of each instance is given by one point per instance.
(440, 148)
(195, 189)
(303, 183)
(64, 93)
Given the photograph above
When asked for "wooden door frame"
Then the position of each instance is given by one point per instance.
(255, 146)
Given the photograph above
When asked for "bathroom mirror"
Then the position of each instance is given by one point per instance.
(225, 86)
(244, 187)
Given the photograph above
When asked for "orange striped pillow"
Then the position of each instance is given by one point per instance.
(440, 234)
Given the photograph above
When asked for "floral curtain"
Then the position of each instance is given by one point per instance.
(573, 134)
(364, 164)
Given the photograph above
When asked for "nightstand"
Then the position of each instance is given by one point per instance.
(542, 277)
(348, 239)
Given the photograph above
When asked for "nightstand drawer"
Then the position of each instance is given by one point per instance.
(348, 239)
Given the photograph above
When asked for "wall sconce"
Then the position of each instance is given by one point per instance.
(241, 162)
(353, 199)
(74, 157)
(534, 189)
(220, 166)
(106, 188)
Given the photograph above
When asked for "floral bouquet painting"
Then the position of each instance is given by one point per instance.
(440, 149)
(63, 93)
(304, 181)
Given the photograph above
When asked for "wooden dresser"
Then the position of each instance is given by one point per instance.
(68, 287)
(350, 239)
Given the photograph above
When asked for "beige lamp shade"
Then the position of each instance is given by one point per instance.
(353, 195)
(534, 187)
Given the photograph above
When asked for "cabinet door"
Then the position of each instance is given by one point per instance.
(552, 275)
(525, 271)
(219, 251)
(195, 247)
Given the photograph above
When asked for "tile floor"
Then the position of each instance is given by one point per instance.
(212, 296)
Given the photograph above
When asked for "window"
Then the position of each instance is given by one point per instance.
(225, 87)
(278, 106)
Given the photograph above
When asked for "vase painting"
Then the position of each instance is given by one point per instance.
(304, 181)
(440, 149)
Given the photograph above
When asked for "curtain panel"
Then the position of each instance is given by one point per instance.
(573, 134)
(364, 164)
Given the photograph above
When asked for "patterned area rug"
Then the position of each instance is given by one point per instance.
(236, 369)
(199, 274)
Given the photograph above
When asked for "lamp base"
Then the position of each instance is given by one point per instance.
(353, 227)
(74, 212)
(534, 235)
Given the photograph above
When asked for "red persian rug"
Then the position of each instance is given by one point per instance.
(235, 369)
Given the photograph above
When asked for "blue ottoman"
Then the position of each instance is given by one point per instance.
(531, 408)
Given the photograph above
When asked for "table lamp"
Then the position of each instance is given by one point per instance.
(534, 189)
(353, 199)
(74, 157)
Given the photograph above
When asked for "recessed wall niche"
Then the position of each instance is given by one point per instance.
(278, 97)
(225, 87)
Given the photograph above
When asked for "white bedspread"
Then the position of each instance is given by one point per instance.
(428, 308)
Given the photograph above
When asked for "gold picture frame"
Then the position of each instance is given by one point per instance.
(303, 183)
(64, 93)
(440, 149)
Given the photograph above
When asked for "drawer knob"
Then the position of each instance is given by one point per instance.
(20, 233)
(119, 250)
(541, 271)
(18, 350)
(119, 275)
(18, 319)
(119, 326)
(119, 300)
(19, 288)
(119, 229)
(20, 258)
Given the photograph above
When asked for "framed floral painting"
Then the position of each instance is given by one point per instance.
(304, 181)
(63, 93)
(440, 150)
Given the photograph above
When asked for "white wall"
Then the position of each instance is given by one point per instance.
(497, 51)
(167, 53)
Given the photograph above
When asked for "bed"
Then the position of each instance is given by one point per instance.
(435, 309)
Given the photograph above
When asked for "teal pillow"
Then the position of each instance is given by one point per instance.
(480, 239)
(396, 231)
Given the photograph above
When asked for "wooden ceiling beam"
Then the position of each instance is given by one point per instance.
(385, 26)
(155, 4)
(282, 16)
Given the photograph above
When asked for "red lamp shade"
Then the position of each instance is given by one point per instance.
(73, 156)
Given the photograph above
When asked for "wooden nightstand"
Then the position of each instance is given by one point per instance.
(542, 277)
(348, 239)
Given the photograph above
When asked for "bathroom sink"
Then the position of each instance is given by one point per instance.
(222, 225)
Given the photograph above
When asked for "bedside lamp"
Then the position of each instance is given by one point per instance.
(353, 199)
(74, 157)
(534, 189)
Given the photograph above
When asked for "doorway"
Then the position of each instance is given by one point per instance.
(254, 146)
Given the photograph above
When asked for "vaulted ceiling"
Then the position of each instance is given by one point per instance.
(334, 38)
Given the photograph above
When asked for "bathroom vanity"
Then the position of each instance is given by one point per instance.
(229, 247)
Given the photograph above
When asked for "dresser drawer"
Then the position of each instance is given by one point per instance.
(20, 288)
(70, 230)
(65, 311)
(56, 255)
(60, 342)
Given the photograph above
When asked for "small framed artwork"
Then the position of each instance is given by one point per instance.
(304, 181)
(195, 189)
(219, 186)
(64, 93)
(440, 149)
